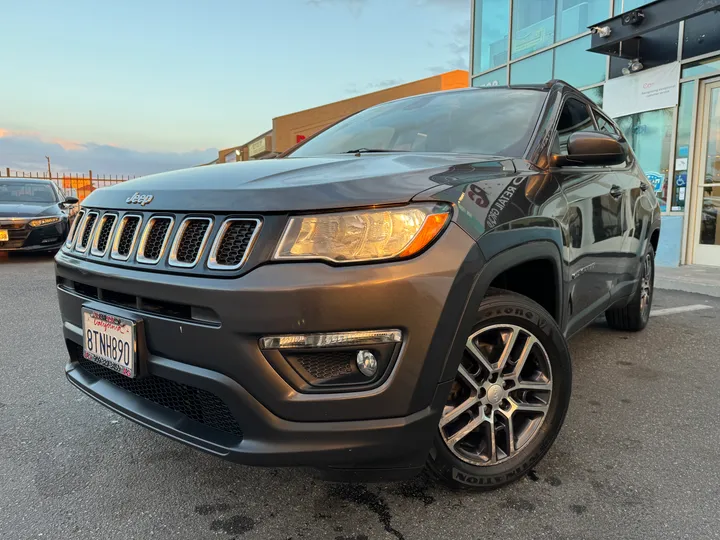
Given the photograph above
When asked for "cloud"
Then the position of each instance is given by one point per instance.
(357, 89)
(355, 6)
(458, 49)
(26, 151)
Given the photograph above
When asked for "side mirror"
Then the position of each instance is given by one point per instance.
(591, 148)
(70, 201)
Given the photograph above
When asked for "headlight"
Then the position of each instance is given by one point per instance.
(44, 221)
(363, 235)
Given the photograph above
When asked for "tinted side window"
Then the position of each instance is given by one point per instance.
(605, 125)
(575, 116)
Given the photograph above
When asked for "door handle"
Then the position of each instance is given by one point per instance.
(616, 191)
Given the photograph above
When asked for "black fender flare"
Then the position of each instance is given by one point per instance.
(519, 253)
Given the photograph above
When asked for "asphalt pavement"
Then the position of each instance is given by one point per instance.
(637, 458)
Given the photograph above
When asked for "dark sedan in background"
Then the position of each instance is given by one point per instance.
(34, 215)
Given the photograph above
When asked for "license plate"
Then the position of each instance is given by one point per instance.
(110, 341)
(4, 236)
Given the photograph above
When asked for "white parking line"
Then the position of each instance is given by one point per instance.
(679, 309)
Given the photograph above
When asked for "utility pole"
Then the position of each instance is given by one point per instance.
(49, 170)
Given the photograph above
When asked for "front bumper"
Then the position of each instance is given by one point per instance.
(387, 427)
(47, 238)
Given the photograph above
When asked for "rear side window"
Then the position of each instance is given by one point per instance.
(605, 125)
(575, 116)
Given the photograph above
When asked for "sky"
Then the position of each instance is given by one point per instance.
(141, 86)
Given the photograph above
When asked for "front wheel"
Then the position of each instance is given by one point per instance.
(509, 397)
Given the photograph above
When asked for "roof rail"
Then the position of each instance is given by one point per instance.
(553, 82)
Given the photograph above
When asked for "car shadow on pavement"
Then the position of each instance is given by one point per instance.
(21, 258)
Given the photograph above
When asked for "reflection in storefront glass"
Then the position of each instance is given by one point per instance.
(649, 135)
(533, 26)
(682, 146)
(709, 222)
(712, 164)
(493, 78)
(491, 34)
(574, 16)
(703, 67)
(595, 94)
(575, 65)
(533, 70)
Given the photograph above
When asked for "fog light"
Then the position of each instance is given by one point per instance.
(367, 363)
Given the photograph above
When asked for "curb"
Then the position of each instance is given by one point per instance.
(686, 285)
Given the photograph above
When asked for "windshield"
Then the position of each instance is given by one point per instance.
(489, 121)
(26, 192)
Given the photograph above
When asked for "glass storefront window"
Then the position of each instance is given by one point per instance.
(574, 64)
(701, 35)
(595, 94)
(492, 21)
(494, 78)
(709, 222)
(574, 16)
(682, 146)
(533, 26)
(621, 6)
(703, 67)
(534, 70)
(649, 134)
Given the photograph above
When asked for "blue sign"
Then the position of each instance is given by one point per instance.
(683, 151)
(681, 179)
(656, 179)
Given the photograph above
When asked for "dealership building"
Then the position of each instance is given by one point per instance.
(653, 66)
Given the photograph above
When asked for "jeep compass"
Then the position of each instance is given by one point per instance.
(393, 294)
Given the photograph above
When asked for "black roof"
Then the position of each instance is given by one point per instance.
(538, 86)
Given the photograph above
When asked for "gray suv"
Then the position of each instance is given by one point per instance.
(394, 294)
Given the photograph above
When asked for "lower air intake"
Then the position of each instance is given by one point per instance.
(198, 405)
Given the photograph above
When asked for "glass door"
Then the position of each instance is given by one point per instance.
(707, 229)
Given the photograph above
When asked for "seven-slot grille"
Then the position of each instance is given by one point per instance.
(146, 238)
(154, 239)
(104, 231)
(86, 230)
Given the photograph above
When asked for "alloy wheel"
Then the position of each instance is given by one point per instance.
(500, 396)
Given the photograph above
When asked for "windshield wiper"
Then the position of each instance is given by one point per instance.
(371, 151)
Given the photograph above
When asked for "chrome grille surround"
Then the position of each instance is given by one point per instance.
(115, 252)
(206, 244)
(220, 238)
(148, 237)
(103, 234)
(74, 228)
(176, 257)
(85, 231)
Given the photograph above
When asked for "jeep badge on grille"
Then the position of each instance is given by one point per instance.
(142, 200)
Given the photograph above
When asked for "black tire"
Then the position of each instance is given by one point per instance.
(635, 315)
(498, 308)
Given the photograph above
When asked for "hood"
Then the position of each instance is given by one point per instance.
(28, 210)
(288, 184)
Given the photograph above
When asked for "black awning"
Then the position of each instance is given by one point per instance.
(621, 36)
